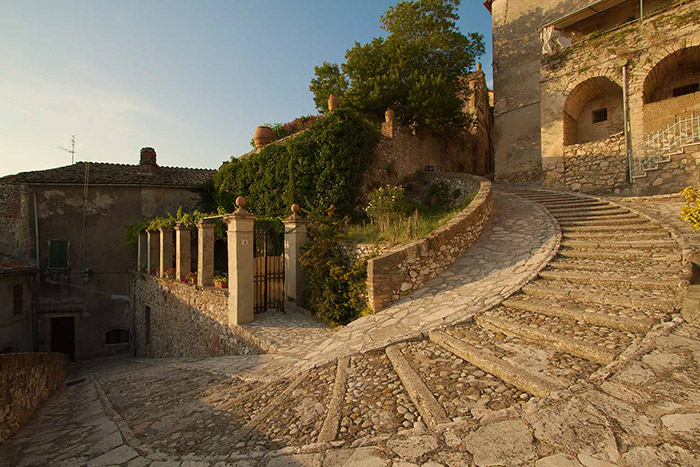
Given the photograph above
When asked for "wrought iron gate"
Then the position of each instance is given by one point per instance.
(268, 271)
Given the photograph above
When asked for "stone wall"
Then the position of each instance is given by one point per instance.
(682, 170)
(185, 320)
(16, 233)
(403, 270)
(26, 380)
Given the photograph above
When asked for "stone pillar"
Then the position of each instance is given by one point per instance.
(183, 255)
(205, 252)
(241, 293)
(153, 238)
(294, 238)
(142, 255)
(166, 250)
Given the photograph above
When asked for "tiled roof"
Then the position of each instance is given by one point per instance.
(10, 265)
(104, 173)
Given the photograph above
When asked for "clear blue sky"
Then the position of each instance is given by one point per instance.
(190, 78)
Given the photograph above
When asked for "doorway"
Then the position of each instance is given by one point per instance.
(63, 336)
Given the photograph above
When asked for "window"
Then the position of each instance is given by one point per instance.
(117, 336)
(687, 89)
(600, 115)
(147, 319)
(58, 254)
(17, 295)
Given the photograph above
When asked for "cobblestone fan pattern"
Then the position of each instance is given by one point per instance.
(515, 245)
(533, 382)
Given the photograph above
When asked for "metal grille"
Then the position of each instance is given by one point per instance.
(268, 274)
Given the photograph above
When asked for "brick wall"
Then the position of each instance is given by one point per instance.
(403, 270)
(185, 320)
(26, 380)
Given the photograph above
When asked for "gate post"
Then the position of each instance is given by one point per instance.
(205, 252)
(152, 247)
(183, 253)
(241, 301)
(294, 239)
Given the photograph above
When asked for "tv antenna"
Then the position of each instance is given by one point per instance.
(71, 150)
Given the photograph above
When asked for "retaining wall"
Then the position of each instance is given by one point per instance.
(404, 269)
(26, 380)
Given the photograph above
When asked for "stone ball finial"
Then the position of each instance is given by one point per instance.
(241, 202)
(478, 65)
(333, 102)
(263, 136)
(389, 115)
(295, 209)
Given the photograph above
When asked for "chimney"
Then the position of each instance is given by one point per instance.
(148, 161)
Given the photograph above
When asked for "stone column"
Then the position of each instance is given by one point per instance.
(294, 238)
(166, 250)
(205, 252)
(142, 255)
(241, 293)
(153, 238)
(183, 255)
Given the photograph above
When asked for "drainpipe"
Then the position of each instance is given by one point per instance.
(641, 10)
(625, 116)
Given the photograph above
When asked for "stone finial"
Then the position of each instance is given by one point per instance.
(333, 102)
(478, 66)
(240, 203)
(295, 209)
(389, 115)
(263, 136)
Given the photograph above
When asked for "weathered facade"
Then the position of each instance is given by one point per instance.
(71, 219)
(17, 305)
(568, 76)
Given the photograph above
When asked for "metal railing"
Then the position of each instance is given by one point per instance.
(657, 146)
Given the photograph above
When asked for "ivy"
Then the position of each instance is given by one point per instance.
(322, 166)
(132, 232)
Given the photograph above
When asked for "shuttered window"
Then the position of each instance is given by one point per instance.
(58, 254)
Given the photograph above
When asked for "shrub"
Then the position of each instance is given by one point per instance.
(386, 205)
(323, 166)
(691, 209)
(336, 289)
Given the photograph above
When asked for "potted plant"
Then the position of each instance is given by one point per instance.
(221, 281)
(191, 278)
(169, 273)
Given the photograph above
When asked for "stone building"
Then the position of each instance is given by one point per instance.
(597, 96)
(70, 220)
(17, 305)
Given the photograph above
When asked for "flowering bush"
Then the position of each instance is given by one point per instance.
(386, 205)
(191, 277)
(691, 209)
(169, 273)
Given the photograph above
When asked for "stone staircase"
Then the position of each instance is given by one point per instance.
(617, 274)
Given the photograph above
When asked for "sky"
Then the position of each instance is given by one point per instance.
(192, 79)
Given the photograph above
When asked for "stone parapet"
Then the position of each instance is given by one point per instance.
(185, 320)
(402, 270)
(27, 379)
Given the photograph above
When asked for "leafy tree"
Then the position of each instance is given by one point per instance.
(416, 69)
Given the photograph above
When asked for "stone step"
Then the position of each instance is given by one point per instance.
(658, 234)
(636, 255)
(602, 295)
(611, 280)
(580, 314)
(329, 429)
(620, 228)
(581, 217)
(432, 412)
(629, 220)
(486, 361)
(602, 209)
(660, 244)
(633, 269)
(560, 343)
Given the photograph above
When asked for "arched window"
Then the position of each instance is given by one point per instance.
(593, 111)
(676, 75)
(117, 336)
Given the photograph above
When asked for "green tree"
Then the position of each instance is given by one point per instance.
(416, 69)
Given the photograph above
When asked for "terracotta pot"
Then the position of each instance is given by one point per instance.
(333, 102)
(263, 135)
(389, 115)
(221, 284)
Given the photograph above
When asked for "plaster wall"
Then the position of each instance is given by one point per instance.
(16, 329)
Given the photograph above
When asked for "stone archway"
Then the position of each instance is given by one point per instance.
(593, 111)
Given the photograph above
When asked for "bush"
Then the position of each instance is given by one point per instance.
(691, 209)
(323, 166)
(386, 205)
(336, 289)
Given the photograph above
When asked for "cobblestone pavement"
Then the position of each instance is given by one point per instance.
(589, 364)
